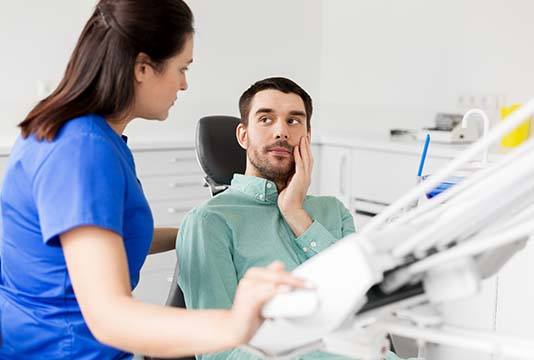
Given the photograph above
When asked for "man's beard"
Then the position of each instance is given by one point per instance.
(260, 160)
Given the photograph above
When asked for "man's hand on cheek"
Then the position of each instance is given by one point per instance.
(290, 199)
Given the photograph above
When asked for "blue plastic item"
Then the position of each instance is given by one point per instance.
(442, 186)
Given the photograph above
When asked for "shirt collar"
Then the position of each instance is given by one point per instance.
(260, 189)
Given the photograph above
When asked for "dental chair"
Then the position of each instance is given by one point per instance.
(220, 157)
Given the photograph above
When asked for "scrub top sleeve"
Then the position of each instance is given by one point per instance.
(81, 182)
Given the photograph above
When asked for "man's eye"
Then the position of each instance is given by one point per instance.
(294, 121)
(265, 119)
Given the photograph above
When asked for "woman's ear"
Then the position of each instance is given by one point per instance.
(142, 67)
(241, 135)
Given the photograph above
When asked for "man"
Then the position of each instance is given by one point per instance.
(265, 215)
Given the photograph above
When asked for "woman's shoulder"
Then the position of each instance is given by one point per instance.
(83, 127)
(82, 137)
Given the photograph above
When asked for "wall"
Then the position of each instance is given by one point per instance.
(36, 38)
(396, 63)
(236, 43)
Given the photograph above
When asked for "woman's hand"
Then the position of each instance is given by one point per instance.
(257, 287)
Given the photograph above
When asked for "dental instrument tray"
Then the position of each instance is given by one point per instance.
(448, 130)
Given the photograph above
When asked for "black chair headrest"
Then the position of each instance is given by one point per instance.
(218, 151)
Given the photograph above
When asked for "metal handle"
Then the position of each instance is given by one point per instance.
(178, 184)
(175, 210)
(365, 213)
(177, 160)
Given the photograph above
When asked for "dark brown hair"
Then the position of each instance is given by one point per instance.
(284, 85)
(100, 74)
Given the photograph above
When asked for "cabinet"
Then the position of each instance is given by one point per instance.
(384, 176)
(367, 177)
(335, 172)
(172, 182)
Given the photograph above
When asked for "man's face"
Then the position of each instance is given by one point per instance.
(276, 123)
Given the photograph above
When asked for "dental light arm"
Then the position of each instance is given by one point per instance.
(437, 252)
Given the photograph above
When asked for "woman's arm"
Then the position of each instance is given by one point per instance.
(164, 240)
(98, 269)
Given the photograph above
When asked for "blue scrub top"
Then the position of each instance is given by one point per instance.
(85, 176)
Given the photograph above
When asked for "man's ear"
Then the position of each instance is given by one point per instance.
(241, 135)
(142, 67)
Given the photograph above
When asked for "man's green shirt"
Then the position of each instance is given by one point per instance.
(243, 228)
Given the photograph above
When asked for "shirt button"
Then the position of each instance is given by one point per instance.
(269, 185)
(305, 249)
(313, 244)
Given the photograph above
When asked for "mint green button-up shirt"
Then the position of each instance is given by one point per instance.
(241, 228)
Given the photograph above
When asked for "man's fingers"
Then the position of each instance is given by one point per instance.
(310, 154)
(306, 154)
(298, 158)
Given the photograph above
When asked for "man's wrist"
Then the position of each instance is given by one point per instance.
(291, 212)
(297, 219)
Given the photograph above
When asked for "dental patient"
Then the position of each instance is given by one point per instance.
(265, 214)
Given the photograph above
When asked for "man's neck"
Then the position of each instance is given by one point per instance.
(251, 171)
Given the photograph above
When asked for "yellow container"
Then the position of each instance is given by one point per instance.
(520, 133)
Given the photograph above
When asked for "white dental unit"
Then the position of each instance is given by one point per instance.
(392, 276)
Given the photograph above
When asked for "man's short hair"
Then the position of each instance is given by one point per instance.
(284, 85)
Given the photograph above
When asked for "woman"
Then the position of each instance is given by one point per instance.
(77, 227)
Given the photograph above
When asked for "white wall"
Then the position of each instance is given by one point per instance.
(369, 65)
(36, 39)
(237, 43)
(396, 63)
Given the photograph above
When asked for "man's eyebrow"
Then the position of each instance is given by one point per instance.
(264, 110)
(297, 113)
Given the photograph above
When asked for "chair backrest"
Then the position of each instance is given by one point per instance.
(218, 151)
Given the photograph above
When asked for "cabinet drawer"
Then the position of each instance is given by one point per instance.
(171, 213)
(179, 187)
(166, 162)
(384, 176)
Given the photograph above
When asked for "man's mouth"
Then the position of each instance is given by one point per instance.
(280, 151)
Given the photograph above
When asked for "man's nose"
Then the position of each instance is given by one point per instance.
(281, 130)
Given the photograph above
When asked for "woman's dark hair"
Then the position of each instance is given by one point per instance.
(282, 84)
(100, 74)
